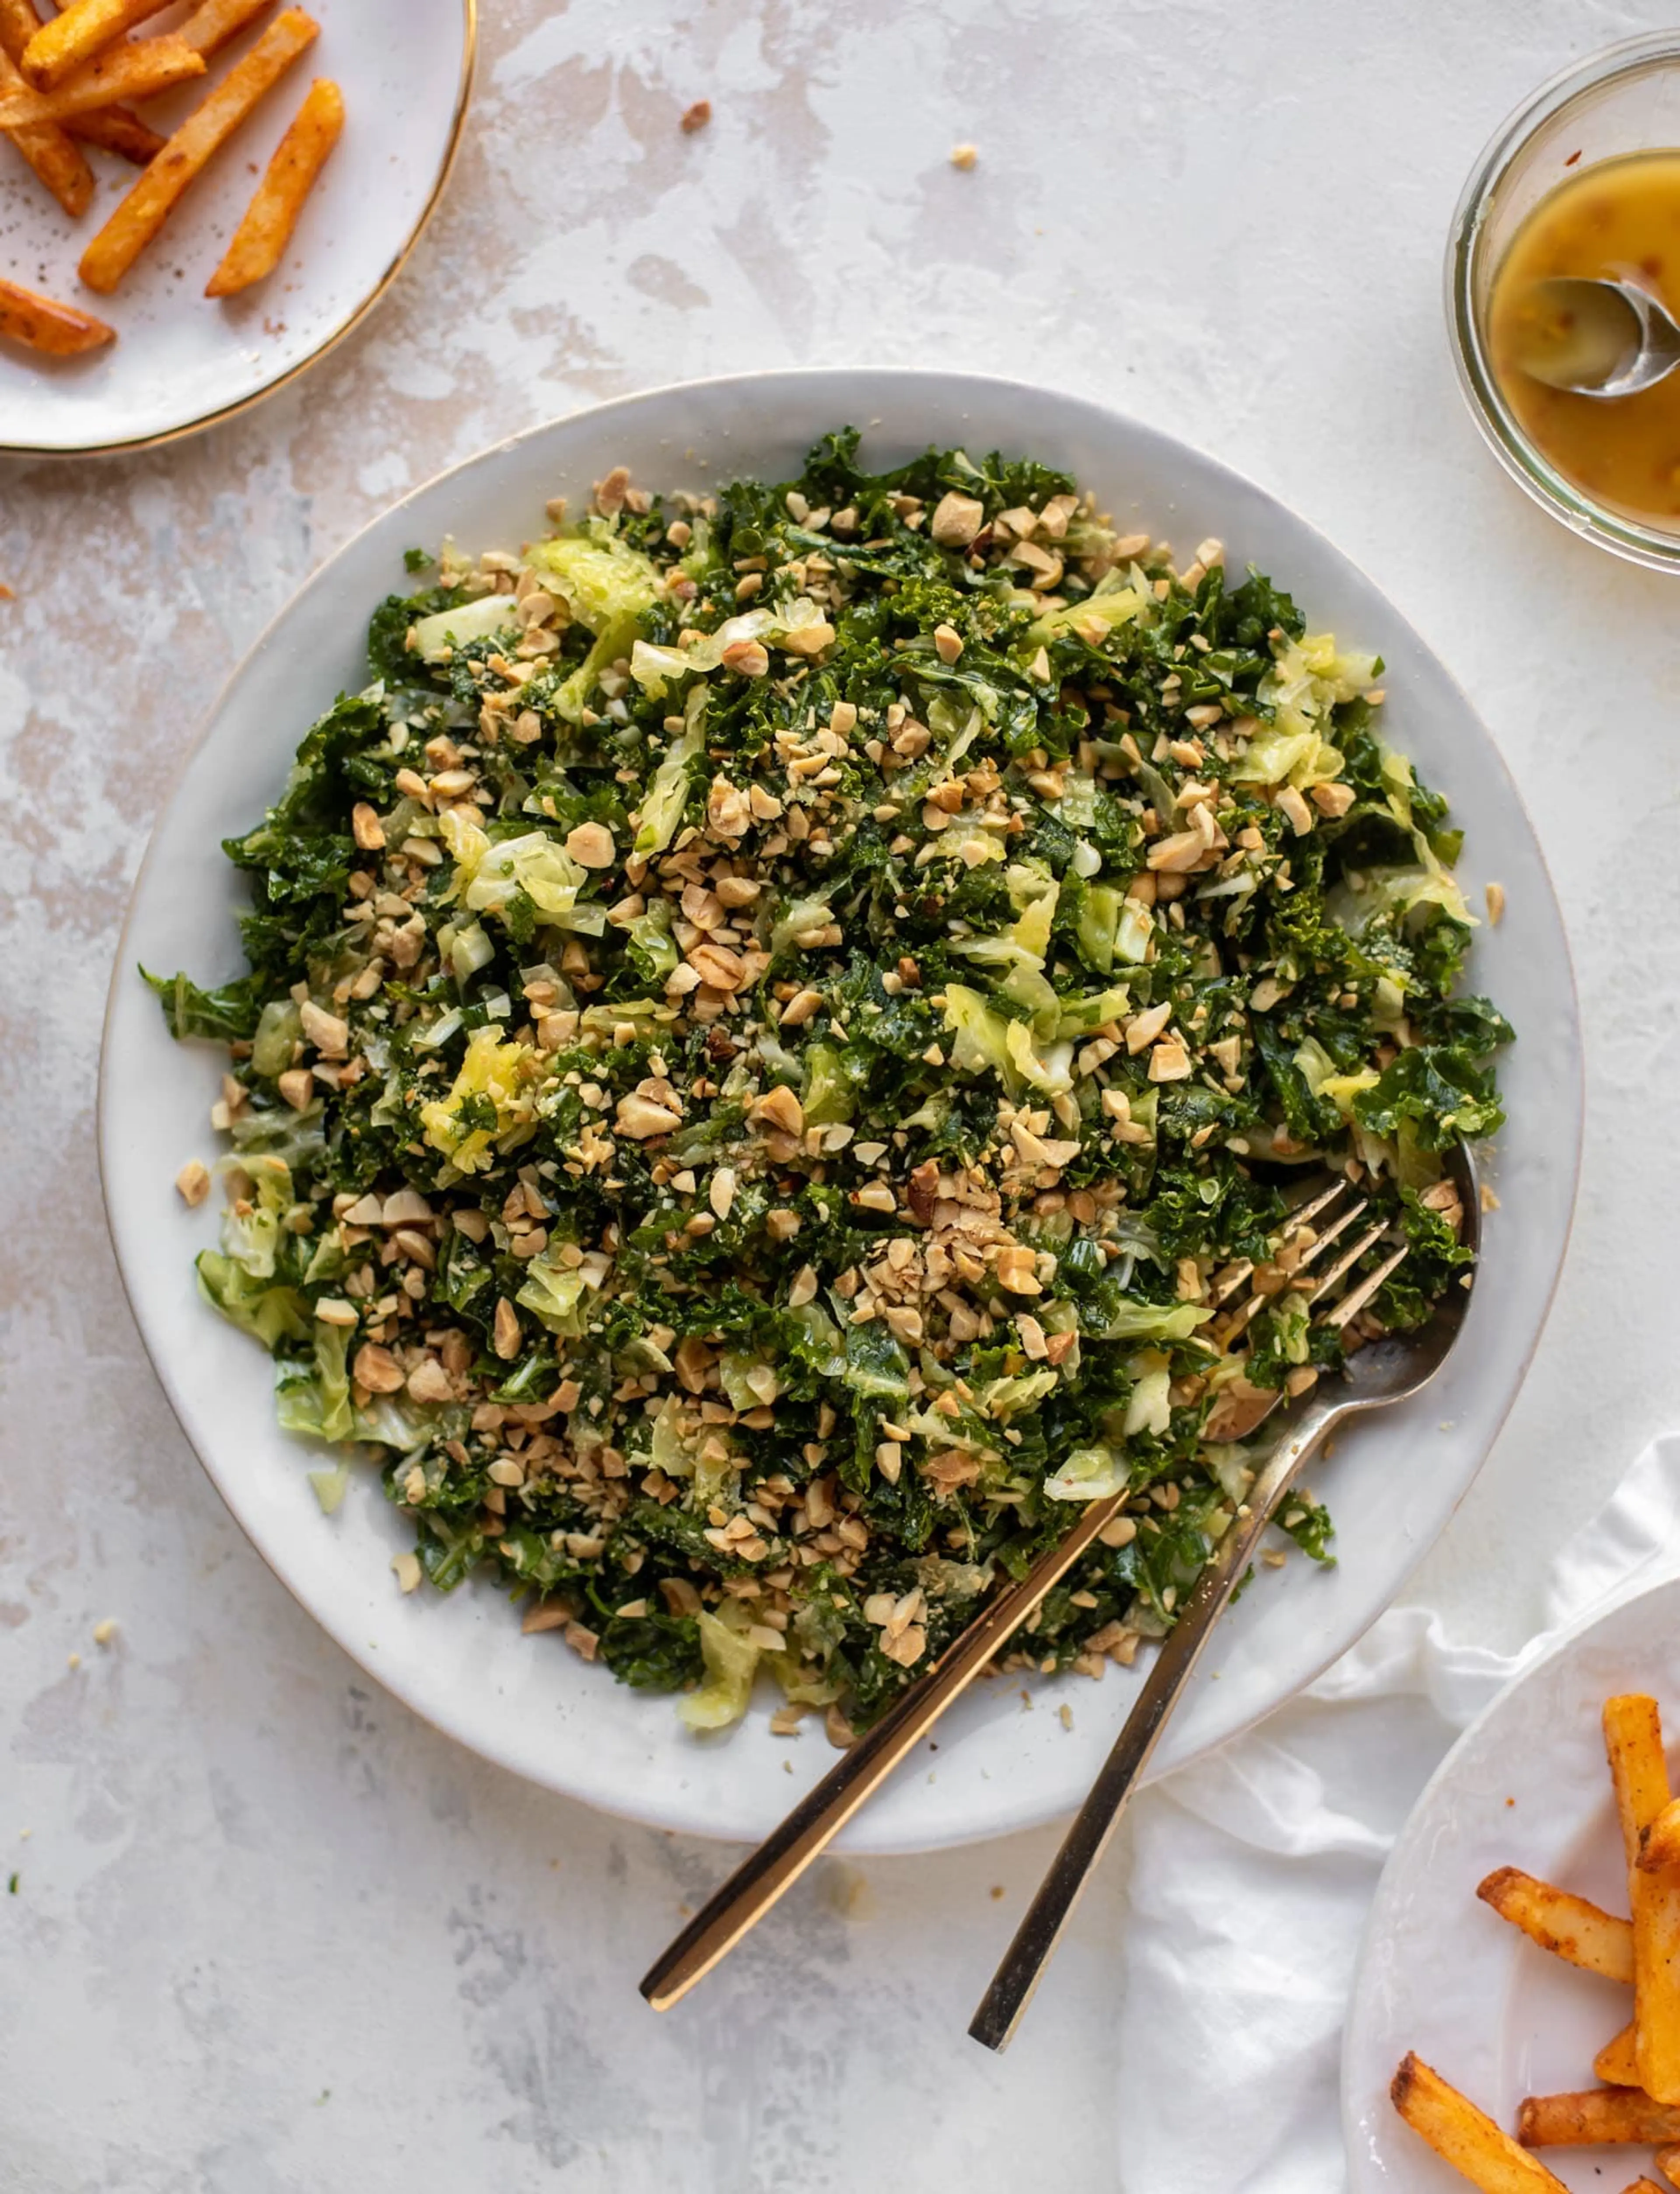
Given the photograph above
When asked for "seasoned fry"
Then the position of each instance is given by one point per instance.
(42, 324)
(47, 147)
(50, 151)
(1668, 2162)
(58, 49)
(1594, 2117)
(1617, 2063)
(1464, 2136)
(1638, 1773)
(1643, 2186)
(271, 215)
(148, 205)
(119, 129)
(55, 160)
(137, 70)
(210, 27)
(1633, 1740)
(1569, 1926)
(1659, 1846)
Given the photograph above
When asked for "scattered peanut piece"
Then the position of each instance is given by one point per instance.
(193, 1181)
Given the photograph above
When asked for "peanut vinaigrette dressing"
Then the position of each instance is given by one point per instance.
(1618, 220)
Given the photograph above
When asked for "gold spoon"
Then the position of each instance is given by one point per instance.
(1594, 338)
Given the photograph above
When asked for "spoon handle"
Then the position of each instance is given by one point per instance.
(1005, 2000)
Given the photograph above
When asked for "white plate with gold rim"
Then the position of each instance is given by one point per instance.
(527, 1703)
(181, 360)
(1527, 1786)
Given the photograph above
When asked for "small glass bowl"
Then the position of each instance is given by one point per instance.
(1622, 101)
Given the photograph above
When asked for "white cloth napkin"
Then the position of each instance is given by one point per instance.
(1253, 1872)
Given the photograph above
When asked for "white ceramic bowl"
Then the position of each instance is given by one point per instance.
(1003, 1761)
(182, 361)
(1526, 1785)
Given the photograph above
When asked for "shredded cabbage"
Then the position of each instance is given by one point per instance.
(540, 867)
(495, 1079)
(732, 1660)
(1148, 1407)
(1148, 1321)
(609, 589)
(667, 794)
(1089, 1474)
(986, 1042)
(437, 636)
(272, 1313)
(553, 1294)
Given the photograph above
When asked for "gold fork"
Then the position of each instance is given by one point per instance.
(771, 1869)
(1390, 1369)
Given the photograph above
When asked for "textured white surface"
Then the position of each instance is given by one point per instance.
(250, 1882)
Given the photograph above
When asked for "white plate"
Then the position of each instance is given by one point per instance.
(181, 360)
(462, 1662)
(1527, 1786)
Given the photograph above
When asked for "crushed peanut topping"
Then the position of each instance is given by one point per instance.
(770, 1020)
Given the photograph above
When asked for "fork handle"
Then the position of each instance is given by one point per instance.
(1040, 1931)
(773, 1869)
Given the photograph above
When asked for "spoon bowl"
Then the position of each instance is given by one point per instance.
(1603, 339)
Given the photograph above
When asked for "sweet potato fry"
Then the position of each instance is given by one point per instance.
(1464, 2136)
(137, 70)
(149, 203)
(49, 153)
(1659, 1846)
(1569, 1926)
(86, 27)
(208, 27)
(271, 215)
(42, 324)
(1638, 1772)
(119, 129)
(1617, 2063)
(57, 163)
(1595, 2117)
(1633, 1741)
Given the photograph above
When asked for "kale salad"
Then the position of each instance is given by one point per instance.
(767, 1021)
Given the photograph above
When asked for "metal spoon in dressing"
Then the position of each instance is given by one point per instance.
(1603, 339)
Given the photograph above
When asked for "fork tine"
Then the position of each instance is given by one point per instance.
(1305, 1214)
(1240, 1321)
(1345, 1263)
(1300, 1220)
(1338, 1227)
(1356, 1298)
